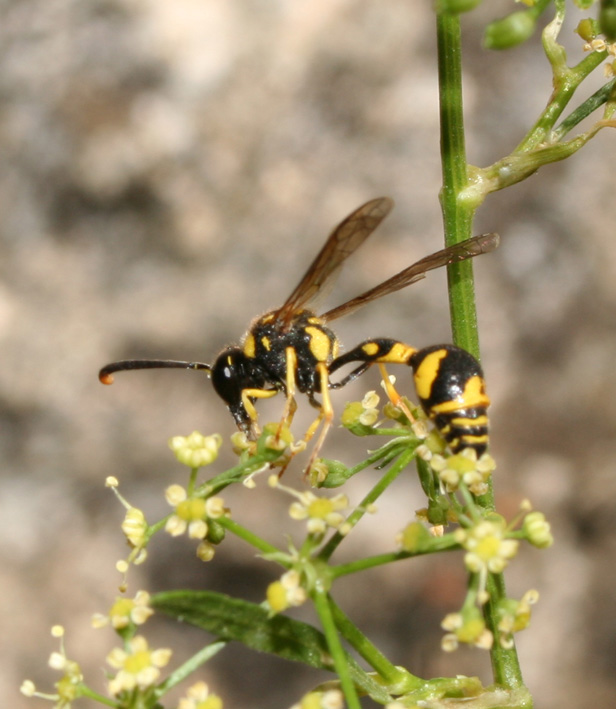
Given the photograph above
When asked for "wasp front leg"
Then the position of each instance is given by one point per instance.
(247, 397)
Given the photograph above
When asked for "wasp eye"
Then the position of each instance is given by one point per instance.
(228, 375)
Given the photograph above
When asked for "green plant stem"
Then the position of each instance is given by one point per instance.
(389, 673)
(603, 95)
(237, 473)
(457, 220)
(99, 698)
(250, 537)
(403, 460)
(457, 216)
(564, 88)
(437, 544)
(324, 611)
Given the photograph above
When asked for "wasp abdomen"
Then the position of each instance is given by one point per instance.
(451, 389)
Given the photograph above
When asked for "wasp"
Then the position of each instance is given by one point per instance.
(292, 349)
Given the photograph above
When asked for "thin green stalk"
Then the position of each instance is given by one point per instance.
(324, 611)
(99, 698)
(389, 673)
(403, 460)
(437, 544)
(457, 220)
(250, 537)
(563, 93)
(189, 667)
(457, 217)
(600, 97)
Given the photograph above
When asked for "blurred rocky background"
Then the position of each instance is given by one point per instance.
(168, 170)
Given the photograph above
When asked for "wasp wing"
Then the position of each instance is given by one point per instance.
(474, 246)
(348, 236)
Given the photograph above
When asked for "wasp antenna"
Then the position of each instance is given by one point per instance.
(106, 373)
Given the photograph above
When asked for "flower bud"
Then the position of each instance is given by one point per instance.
(587, 29)
(510, 31)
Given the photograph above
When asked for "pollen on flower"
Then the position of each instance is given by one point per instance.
(137, 666)
(111, 481)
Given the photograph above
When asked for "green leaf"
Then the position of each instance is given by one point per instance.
(235, 619)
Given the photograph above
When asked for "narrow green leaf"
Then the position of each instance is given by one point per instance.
(235, 619)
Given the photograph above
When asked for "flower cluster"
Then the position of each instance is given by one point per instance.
(125, 612)
(135, 528)
(487, 546)
(137, 666)
(196, 450)
(320, 512)
(69, 687)
(463, 467)
(194, 514)
(466, 627)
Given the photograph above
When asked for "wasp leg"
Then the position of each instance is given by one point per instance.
(290, 406)
(326, 415)
(393, 395)
(247, 396)
(380, 351)
(351, 376)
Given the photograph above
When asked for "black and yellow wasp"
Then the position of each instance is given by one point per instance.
(292, 349)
